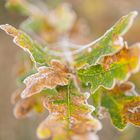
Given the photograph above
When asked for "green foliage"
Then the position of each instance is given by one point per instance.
(121, 104)
(18, 6)
(110, 43)
(115, 67)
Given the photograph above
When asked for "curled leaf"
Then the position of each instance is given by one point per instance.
(23, 107)
(110, 43)
(16, 96)
(47, 77)
(21, 39)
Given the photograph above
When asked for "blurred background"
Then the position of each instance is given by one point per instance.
(100, 16)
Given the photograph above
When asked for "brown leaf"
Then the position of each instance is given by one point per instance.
(10, 30)
(47, 77)
(122, 88)
(131, 111)
(23, 107)
(16, 96)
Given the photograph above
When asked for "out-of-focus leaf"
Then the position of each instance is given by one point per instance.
(33, 24)
(110, 43)
(51, 24)
(69, 116)
(113, 68)
(36, 52)
(62, 18)
(121, 104)
(47, 77)
(24, 107)
(18, 6)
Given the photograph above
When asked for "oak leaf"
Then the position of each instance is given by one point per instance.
(47, 77)
(110, 43)
(69, 116)
(121, 103)
(36, 52)
(117, 67)
(24, 107)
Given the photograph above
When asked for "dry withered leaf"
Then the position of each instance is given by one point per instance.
(122, 88)
(131, 111)
(16, 96)
(47, 77)
(23, 107)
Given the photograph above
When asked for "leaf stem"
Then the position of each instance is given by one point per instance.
(69, 106)
(68, 115)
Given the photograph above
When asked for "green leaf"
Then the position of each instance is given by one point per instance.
(114, 110)
(33, 24)
(122, 105)
(110, 43)
(113, 68)
(37, 54)
(96, 98)
(18, 6)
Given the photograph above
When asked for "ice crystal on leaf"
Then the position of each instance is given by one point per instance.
(117, 67)
(69, 116)
(47, 77)
(36, 52)
(121, 103)
(63, 73)
(111, 42)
